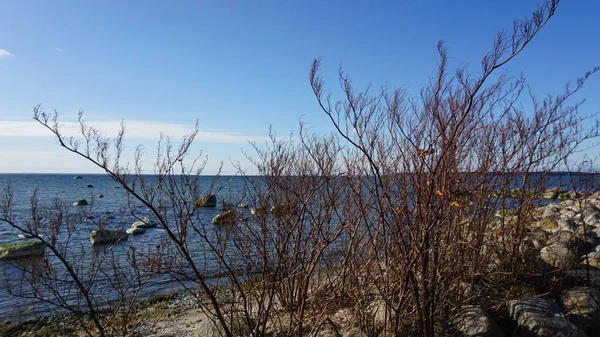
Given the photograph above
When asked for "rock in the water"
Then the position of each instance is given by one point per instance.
(206, 201)
(472, 321)
(582, 306)
(80, 202)
(28, 236)
(559, 255)
(90, 186)
(226, 218)
(99, 196)
(135, 230)
(283, 210)
(256, 211)
(145, 223)
(21, 249)
(103, 236)
(540, 317)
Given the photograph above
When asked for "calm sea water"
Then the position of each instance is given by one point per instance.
(113, 209)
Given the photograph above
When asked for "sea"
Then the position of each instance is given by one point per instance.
(115, 209)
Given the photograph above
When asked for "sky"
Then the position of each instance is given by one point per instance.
(241, 67)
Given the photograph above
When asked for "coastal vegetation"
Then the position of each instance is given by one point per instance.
(418, 216)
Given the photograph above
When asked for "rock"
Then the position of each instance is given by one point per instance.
(99, 196)
(355, 332)
(328, 333)
(565, 237)
(588, 209)
(377, 308)
(226, 218)
(582, 277)
(566, 224)
(90, 186)
(569, 213)
(28, 236)
(103, 236)
(343, 318)
(582, 306)
(575, 242)
(592, 259)
(592, 219)
(257, 211)
(21, 249)
(540, 317)
(552, 194)
(550, 212)
(587, 232)
(80, 202)
(206, 201)
(135, 230)
(567, 196)
(504, 213)
(472, 321)
(548, 225)
(559, 255)
(145, 223)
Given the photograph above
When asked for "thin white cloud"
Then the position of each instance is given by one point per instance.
(133, 130)
(5, 53)
(60, 50)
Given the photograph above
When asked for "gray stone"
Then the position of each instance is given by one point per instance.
(472, 321)
(564, 237)
(592, 219)
(566, 224)
(582, 306)
(559, 255)
(542, 318)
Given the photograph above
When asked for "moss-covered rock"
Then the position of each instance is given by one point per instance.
(21, 249)
(105, 236)
(226, 218)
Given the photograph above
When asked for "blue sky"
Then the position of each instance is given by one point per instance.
(240, 67)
